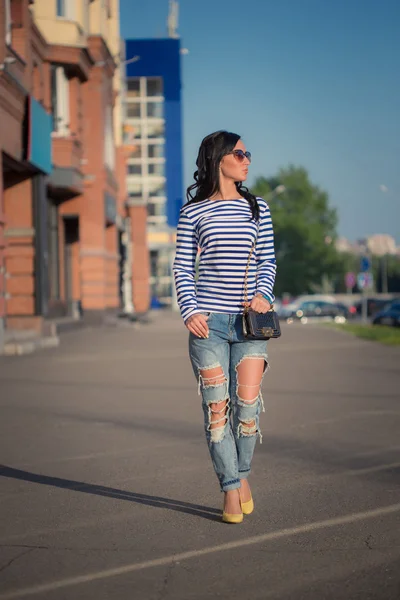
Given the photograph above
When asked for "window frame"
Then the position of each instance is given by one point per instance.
(60, 101)
(8, 23)
(67, 8)
(158, 95)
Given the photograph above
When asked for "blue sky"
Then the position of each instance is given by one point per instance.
(308, 82)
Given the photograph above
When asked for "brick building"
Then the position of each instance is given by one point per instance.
(86, 191)
(25, 160)
(62, 192)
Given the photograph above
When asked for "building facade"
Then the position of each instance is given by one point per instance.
(62, 161)
(153, 121)
(25, 162)
(86, 189)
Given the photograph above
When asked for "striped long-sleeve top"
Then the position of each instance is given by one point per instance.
(222, 232)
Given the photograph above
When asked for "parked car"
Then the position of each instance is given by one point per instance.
(318, 310)
(373, 306)
(388, 316)
(349, 309)
(286, 310)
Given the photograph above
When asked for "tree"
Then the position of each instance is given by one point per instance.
(305, 231)
(348, 263)
(386, 267)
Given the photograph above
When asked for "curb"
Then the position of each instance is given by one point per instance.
(28, 347)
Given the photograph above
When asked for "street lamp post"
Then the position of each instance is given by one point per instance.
(276, 191)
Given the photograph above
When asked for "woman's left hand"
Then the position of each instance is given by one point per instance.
(259, 304)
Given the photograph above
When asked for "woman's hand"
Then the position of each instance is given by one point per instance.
(259, 304)
(197, 324)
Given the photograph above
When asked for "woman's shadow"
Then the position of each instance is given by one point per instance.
(205, 512)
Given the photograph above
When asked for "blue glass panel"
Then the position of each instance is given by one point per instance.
(39, 154)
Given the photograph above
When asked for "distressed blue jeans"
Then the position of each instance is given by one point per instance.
(232, 443)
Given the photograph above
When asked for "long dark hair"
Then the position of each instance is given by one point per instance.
(212, 149)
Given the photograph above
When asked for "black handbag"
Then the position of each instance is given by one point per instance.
(258, 326)
(261, 326)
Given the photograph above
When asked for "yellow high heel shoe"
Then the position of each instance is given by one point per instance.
(232, 517)
(227, 518)
(247, 507)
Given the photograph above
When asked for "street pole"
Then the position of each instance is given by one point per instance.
(364, 307)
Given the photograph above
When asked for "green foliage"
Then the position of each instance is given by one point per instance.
(347, 263)
(305, 231)
(389, 336)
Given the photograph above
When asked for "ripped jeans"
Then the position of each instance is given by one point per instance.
(232, 399)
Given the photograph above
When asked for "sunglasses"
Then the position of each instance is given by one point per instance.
(240, 155)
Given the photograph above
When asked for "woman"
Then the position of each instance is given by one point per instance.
(223, 219)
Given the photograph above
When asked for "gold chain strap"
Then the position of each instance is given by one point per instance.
(246, 298)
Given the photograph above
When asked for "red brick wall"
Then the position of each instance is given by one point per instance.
(141, 263)
(16, 221)
(99, 255)
(19, 253)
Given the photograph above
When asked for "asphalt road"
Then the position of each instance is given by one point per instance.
(107, 490)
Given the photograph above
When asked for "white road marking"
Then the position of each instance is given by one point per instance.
(175, 558)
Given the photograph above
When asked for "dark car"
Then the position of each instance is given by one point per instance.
(373, 306)
(389, 316)
(350, 311)
(319, 310)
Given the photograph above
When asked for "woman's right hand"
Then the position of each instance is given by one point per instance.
(197, 324)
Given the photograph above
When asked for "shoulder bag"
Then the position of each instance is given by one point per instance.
(258, 326)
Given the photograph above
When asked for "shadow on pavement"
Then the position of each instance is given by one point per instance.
(206, 512)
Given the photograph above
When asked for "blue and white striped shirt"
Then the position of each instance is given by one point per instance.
(223, 231)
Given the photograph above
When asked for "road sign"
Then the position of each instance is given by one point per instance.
(365, 264)
(365, 281)
(350, 280)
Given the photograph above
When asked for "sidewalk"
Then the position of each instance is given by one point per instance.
(18, 342)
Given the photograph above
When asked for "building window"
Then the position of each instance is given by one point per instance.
(60, 8)
(133, 88)
(136, 152)
(135, 190)
(137, 132)
(8, 27)
(155, 109)
(157, 191)
(154, 86)
(156, 209)
(156, 150)
(109, 153)
(135, 169)
(157, 169)
(155, 130)
(65, 9)
(60, 100)
(135, 196)
(133, 110)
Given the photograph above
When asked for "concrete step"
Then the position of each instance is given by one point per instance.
(18, 343)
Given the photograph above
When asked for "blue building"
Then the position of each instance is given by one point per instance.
(153, 115)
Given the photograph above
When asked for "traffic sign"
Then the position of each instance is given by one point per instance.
(350, 280)
(365, 281)
(365, 264)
